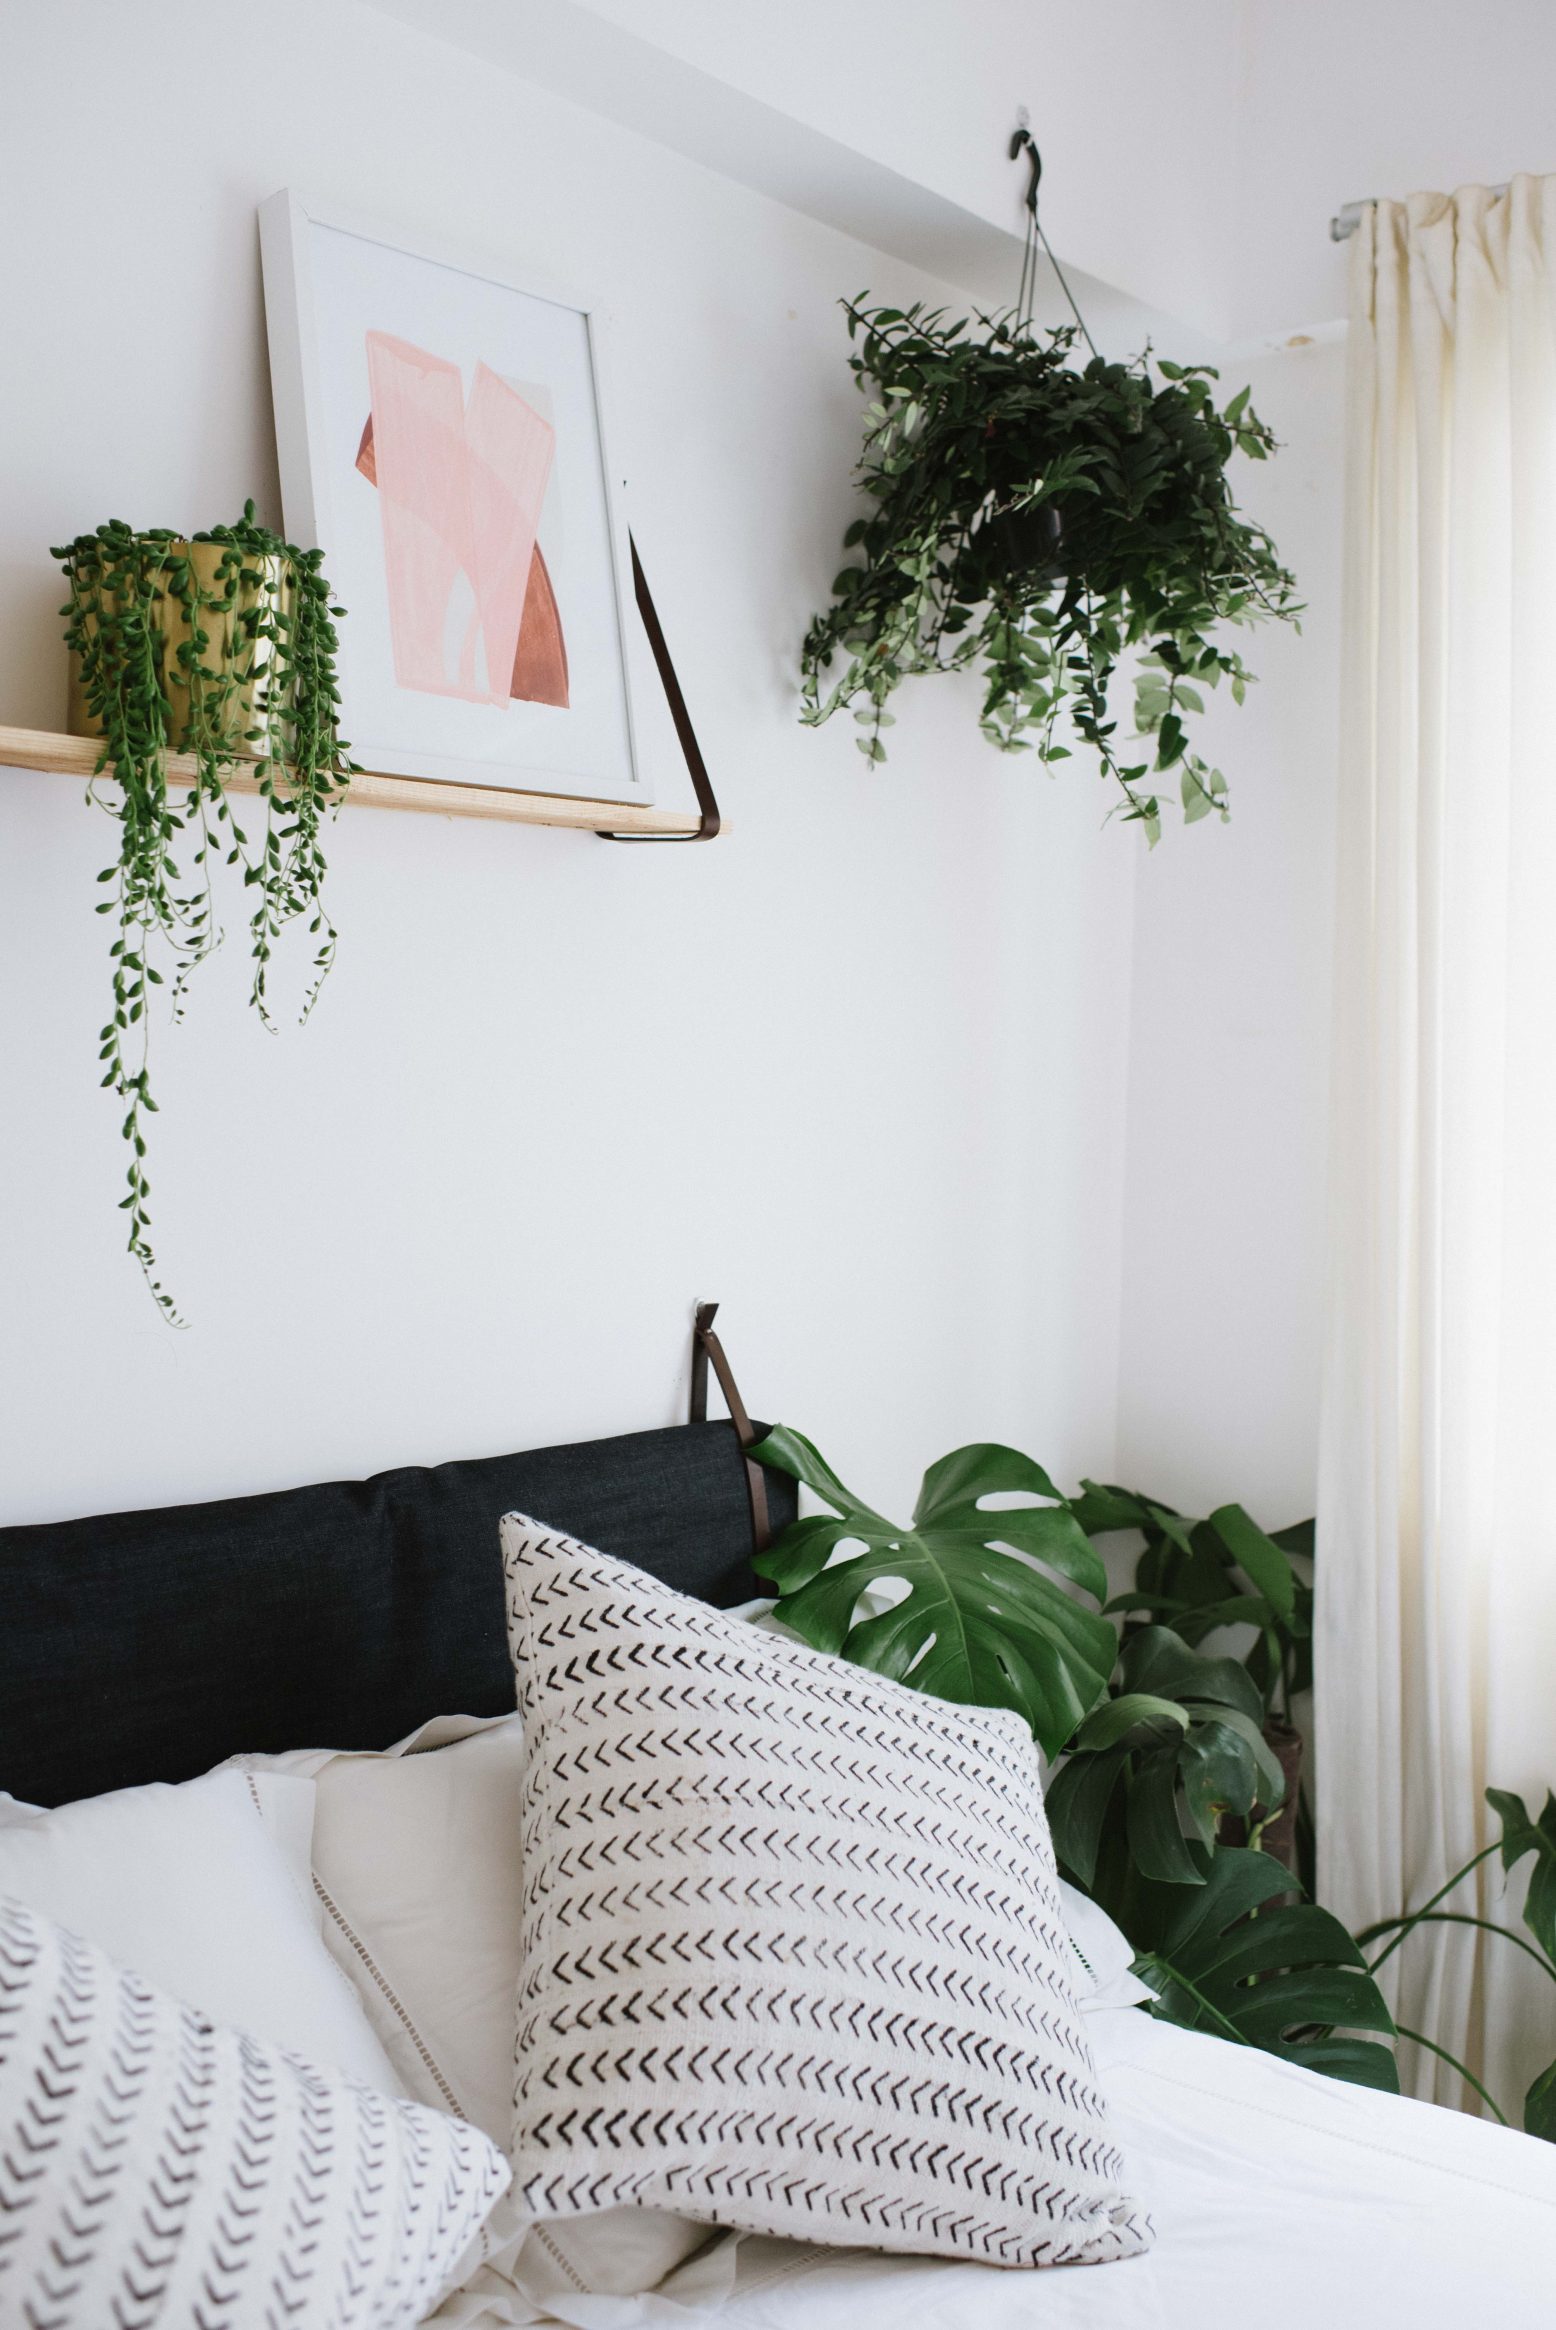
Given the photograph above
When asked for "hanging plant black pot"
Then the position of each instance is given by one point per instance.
(1023, 548)
(1044, 521)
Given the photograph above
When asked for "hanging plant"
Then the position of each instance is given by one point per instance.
(222, 646)
(1050, 524)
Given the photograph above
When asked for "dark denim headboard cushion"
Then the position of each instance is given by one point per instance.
(149, 1646)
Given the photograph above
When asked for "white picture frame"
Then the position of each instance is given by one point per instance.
(441, 440)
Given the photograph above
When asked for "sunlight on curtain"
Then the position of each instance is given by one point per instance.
(1436, 1652)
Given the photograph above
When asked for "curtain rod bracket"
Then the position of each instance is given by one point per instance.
(1348, 217)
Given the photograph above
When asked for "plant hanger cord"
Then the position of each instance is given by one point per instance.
(1022, 141)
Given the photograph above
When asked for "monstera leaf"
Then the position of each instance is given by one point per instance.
(1196, 1576)
(966, 1603)
(1540, 2106)
(1183, 1741)
(1286, 1978)
(1521, 1836)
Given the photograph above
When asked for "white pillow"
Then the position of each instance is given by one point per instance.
(155, 2168)
(417, 1862)
(189, 1886)
(1100, 1953)
(793, 1955)
(416, 1854)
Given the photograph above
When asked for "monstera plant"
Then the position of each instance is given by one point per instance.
(1183, 1740)
(992, 1597)
(1061, 527)
(984, 1620)
(1233, 1957)
(1200, 1578)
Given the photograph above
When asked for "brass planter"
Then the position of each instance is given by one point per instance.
(252, 706)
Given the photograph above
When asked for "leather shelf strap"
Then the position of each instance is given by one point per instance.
(708, 826)
(706, 1346)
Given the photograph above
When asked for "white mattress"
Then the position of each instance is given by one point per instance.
(1282, 2201)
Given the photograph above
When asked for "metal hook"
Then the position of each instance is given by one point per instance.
(1022, 141)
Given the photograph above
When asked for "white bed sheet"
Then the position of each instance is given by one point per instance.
(1280, 2200)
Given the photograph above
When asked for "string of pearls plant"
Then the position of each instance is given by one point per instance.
(222, 646)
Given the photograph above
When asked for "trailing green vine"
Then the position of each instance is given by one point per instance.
(222, 646)
(1048, 523)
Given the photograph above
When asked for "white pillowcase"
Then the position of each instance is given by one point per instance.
(189, 1886)
(157, 2169)
(415, 1859)
(416, 1855)
(793, 1955)
(1100, 1954)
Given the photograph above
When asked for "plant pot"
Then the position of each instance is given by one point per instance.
(1278, 1835)
(250, 706)
(1024, 546)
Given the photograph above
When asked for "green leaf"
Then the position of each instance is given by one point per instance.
(1521, 1836)
(1156, 1660)
(1157, 1844)
(983, 1469)
(1077, 1801)
(969, 1619)
(1100, 1511)
(1540, 2106)
(792, 1453)
(1258, 1556)
(1133, 1715)
(1218, 1775)
(1284, 1978)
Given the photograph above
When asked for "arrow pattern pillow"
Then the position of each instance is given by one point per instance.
(161, 2173)
(793, 1956)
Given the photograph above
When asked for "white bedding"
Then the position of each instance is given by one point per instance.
(1282, 2201)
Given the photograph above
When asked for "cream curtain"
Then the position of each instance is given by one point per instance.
(1436, 1652)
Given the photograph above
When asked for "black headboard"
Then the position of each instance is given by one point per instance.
(149, 1646)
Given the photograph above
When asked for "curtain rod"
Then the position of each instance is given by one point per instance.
(1347, 219)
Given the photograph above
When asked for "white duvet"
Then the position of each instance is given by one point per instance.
(1282, 2201)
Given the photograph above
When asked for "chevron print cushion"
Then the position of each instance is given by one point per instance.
(793, 1957)
(158, 2170)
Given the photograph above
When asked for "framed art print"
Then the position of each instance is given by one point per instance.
(440, 440)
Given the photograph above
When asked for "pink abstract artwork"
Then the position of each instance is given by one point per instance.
(461, 484)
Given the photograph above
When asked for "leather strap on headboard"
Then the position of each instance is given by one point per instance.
(706, 1346)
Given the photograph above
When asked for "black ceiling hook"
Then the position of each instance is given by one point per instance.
(1022, 141)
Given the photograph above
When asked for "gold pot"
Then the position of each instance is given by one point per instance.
(252, 705)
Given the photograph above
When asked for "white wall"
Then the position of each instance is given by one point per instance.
(1223, 1237)
(925, 96)
(857, 1069)
(1193, 155)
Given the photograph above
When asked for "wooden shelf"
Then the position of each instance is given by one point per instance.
(76, 756)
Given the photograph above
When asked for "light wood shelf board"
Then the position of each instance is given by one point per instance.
(76, 756)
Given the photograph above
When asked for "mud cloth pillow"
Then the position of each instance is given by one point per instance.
(158, 2169)
(792, 1951)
